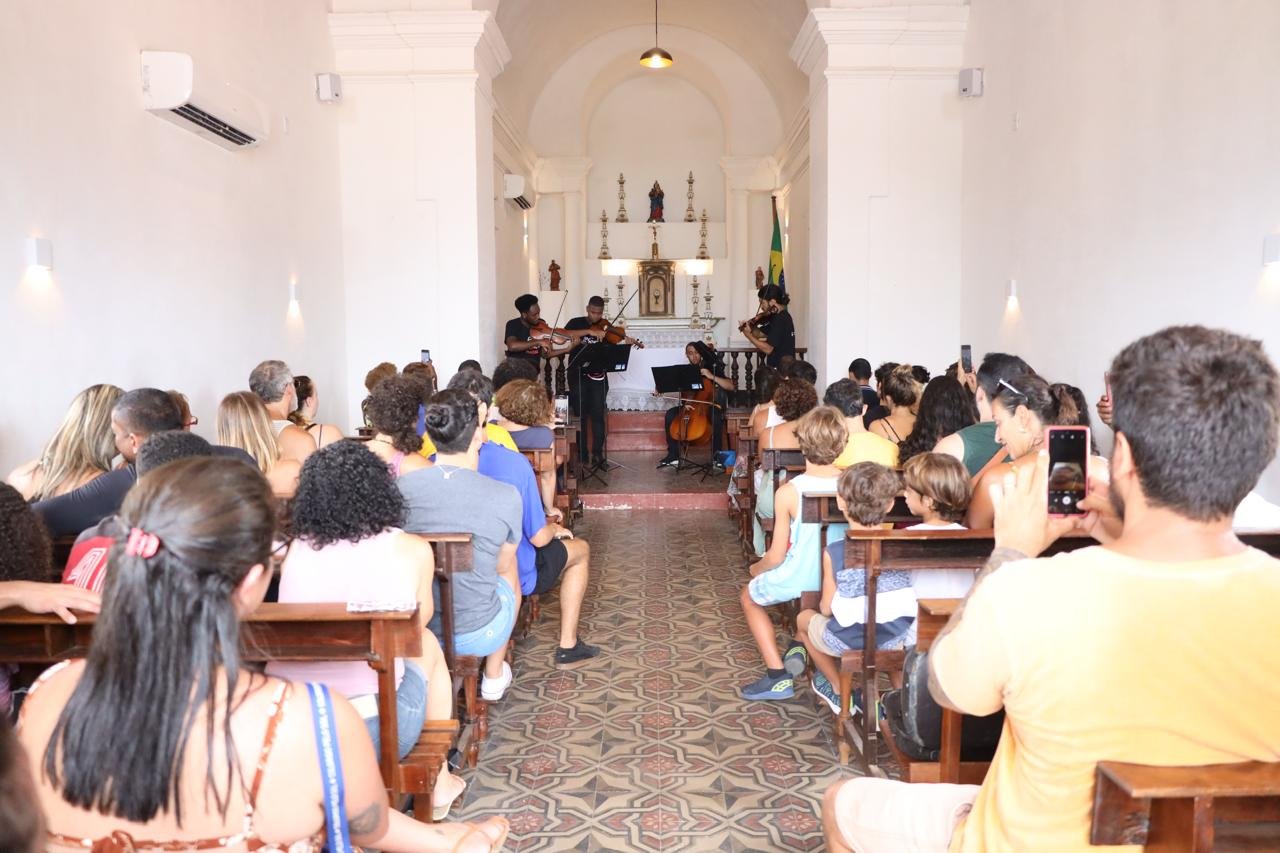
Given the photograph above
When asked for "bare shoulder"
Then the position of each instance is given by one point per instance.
(951, 445)
(25, 478)
(415, 548)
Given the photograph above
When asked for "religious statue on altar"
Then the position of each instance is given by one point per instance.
(554, 271)
(655, 203)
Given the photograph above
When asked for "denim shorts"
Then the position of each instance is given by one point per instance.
(411, 711)
(487, 639)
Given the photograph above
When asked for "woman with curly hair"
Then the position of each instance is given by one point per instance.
(899, 395)
(305, 415)
(81, 450)
(393, 413)
(946, 407)
(794, 398)
(25, 555)
(243, 422)
(349, 548)
(527, 413)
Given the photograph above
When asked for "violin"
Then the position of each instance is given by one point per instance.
(558, 340)
(612, 333)
(755, 322)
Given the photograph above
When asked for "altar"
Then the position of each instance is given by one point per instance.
(664, 342)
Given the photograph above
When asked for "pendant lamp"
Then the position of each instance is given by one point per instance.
(656, 57)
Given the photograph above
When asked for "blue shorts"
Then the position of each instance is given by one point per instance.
(785, 583)
(487, 639)
(411, 711)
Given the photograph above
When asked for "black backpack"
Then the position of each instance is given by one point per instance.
(916, 720)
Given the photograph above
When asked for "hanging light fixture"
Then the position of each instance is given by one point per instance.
(656, 57)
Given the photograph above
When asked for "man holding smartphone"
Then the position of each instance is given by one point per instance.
(1103, 653)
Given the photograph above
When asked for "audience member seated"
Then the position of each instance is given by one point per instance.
(1063, 389)
(1022, 408)
(921, 374)
(764, 415)
(348, 547)
(272, 382)
(470, 364)
(527, 414)
(900, 394)
(865, 494)
(371, 380)
(393, 413)
(210, 754)
(453, 497)
(493, 432)
(862, 446)
(184, 408)
(81, 450)
(25, 555)
(791, 565)
(21, 823)
(305, 414)
(548, 554)
(794, 398)
(244, 422)
(946, 407)
(87, 563)
(512, 369)
(937, 488)
(423, 372)
(134, 417)
(860, 372)
(879, 410)
(976, 445)
(1090, 653)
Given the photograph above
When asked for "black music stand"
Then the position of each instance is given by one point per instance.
(600, 358)
(683, 379)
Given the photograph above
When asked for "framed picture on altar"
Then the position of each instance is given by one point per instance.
(657, 289)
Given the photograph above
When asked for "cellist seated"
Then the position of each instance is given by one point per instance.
(702, 356)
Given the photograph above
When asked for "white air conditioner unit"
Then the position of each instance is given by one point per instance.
(513, 189)
(205, 106)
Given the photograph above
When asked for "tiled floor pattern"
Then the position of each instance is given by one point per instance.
(641, 475)
(650, 749)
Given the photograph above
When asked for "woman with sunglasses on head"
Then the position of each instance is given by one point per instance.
(161, 739)
(1022, 408)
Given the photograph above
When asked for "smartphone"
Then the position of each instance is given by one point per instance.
(966, 359)
(426, 356)
(1106, 378)
(1068, 469)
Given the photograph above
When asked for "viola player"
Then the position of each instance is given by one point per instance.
(772, 331)
(588, 391)
(528, 337)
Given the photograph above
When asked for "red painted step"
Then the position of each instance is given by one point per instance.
(636, 431)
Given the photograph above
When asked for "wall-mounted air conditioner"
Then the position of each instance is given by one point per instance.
(204, 105)
(513, 190)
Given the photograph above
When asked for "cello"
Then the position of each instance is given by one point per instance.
(693, 424)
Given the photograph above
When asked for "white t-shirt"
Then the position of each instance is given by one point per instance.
(940, 583)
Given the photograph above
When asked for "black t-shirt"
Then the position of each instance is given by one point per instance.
(576, 353)
(518, 330)
(780, 333)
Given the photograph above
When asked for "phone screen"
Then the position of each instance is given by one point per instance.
(966, 358)
(1106, 378)
(1068, 470)
(426, 356)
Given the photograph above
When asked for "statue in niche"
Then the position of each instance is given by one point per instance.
(655, 203)
(554, 271)
(759, 278)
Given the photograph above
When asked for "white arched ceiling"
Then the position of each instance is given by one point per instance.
(562, 110)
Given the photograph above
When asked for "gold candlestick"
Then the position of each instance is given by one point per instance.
(622, 199)
(703, 254)
(604, 237)
(689, 215)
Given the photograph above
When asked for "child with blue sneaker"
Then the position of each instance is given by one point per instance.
(791, 565)
(865, 494)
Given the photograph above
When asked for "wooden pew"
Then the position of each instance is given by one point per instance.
(289, 632)
(1176, 808)
(543, 459)
(748, 445)
(568, 435)
(773, 461)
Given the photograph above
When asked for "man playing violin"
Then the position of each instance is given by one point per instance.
(772, 331)
(588, 392)
(528, 337)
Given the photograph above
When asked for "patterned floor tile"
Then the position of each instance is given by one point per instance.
(651, 748)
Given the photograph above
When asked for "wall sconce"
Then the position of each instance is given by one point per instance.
(40, 253)
(1271, 250)
(1011, 296)
(295, 310)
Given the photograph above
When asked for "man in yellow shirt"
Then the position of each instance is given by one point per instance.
(862, 446)
(1154, 648)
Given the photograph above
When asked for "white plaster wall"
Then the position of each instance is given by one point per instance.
(511, 259)
(795, 255)
(1124, 167)
(172, 257)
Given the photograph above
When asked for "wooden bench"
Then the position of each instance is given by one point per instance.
(773, 461)
(748, 445)
(289, 632)
(568, 437)
(544, 459)
(1187, 808)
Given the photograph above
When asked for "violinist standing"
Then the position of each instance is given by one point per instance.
(705, 358)
(588, 392)
(524, 341)
(772, 331)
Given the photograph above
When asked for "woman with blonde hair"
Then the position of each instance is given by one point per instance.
(526, 412)
(243, 422)
(305, 415)
(81, 450)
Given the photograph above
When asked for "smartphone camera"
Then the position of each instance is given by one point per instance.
(1068, 469)
(426, 356)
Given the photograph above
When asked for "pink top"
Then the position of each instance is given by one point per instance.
(365, 572)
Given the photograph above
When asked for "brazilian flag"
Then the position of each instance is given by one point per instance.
(776, 275)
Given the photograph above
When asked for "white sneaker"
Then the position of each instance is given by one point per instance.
(493, 689)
